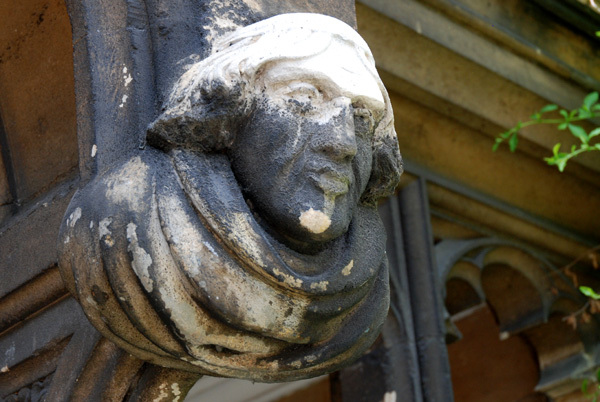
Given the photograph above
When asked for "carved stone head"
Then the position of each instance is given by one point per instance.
(246, 242)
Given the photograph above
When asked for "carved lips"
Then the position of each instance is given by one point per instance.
(333, 182)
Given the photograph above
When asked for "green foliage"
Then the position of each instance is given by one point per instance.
(593, 394)
(589, 292)
(565, 120)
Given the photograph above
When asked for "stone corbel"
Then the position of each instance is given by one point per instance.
(243, 240)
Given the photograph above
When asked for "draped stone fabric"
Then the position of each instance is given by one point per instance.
(171, 261)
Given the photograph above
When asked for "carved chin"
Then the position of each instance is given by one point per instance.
(316, 222)
(170, 265)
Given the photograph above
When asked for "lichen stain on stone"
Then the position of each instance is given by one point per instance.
(348, 268)
(141, 259)
(288, 279)
(109, 241)
(320, 285)
(74, 217)
(163, 393)
(176, 391)
(315, 221)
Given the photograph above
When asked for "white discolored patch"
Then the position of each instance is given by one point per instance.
(289, 279)
(67, 239)
(310, 358)
(94, 150)
(123, 101)
(246, 236)
(389, 396)
(74, 217)
(320, 285)
(126, 77)
(10, 352)
(208, 246)
(128, 184)
(103, 227)
(348, 268)
(141, 258)
(164, 394)
(176, 391)
(315, 221)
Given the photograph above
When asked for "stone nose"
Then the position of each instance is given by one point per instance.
(337, 137)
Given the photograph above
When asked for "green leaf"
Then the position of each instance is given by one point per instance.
(594, 133)
(548, 108)
(589, 292)
(598, 376)
(562, 126)
(561, 163)
(596, 107)
(584, 114)
(495, 146)
(597, 146)
(584, 386)
(556, 148)
(590, 100)
(512, 143)
(564, 114)
(579, 132)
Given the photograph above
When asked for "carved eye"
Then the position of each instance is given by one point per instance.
(303, 92)
(364, 122)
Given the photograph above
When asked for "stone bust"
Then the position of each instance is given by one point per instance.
(244, 241)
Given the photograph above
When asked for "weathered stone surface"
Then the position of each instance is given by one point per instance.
(245, 241)
(37, 102)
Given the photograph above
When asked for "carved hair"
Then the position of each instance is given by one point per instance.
(211, 98)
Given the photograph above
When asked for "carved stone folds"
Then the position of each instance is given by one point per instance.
(244, 241)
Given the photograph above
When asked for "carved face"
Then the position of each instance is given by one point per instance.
(304, 156)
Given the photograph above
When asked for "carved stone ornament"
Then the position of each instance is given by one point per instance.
(244, 241)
